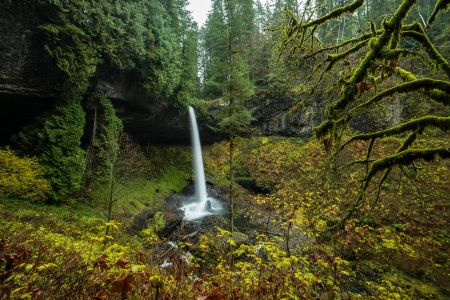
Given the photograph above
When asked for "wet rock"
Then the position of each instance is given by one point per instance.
(140, 221)
(240, 238)
(211, 222)
(173, 202)
(208, 205)
(172, 222)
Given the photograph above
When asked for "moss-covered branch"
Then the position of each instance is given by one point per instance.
(441, 5)
(334, 58)
(358, 161)
(351, 8)
(406, 157)
(417, 33)
(393, 54)
(442, 123)
(360, 38)
(437, 89)
(380, 58)
(376, 45)
(425, 84)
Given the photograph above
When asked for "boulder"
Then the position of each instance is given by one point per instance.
(172, 222)
(210, 224)
(140, 221)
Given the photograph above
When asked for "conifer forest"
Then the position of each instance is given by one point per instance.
(325, 146)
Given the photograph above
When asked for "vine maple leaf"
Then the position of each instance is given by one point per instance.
(3, 245)
(123, 286)
(215, 295)
(36, 292)
(394, 64)
(15, 258)
(144, 275)
(139, 256)
(327, 143)
(122, 263)
(362, 87)
(101, 262)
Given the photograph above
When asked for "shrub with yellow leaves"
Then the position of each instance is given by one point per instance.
(22, 177)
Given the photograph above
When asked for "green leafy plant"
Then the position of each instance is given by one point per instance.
(22, 177)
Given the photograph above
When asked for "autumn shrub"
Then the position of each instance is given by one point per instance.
(36, 263)
(216, 162)
(22, 177)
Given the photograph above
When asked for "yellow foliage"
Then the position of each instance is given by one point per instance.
(22, 177)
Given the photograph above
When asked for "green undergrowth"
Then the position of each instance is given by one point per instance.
(169, 172)
(86, 212)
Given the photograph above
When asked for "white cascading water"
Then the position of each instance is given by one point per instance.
(200, 182)
(202, 205)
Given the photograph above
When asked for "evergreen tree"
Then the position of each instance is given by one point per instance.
(236, 117)
(54, 139)
(143, 37)
(215, 47)
(187, 91)
(118, 157)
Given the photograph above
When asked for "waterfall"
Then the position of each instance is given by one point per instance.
(196, 209)
(200, 182)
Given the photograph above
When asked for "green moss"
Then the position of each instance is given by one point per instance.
(334, 58)
(442, 123)
(417, 33)
(360, 38)
(406, 157)
(424, 85)
(350, 8)
(383, 49)
(404, 75)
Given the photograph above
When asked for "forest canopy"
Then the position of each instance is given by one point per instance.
(156, 40)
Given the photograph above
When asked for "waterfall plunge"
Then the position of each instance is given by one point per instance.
(200, 182)
(202, 205)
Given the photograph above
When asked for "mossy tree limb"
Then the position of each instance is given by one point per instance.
(442, 123)
(406, 157)
(441, 5)
(425, 85)
(430, 49)
(348, 9)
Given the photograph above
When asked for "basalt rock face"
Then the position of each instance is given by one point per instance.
(25, 67)
(29, 80)
(276, 114)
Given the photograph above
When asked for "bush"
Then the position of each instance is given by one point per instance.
(22, 177)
